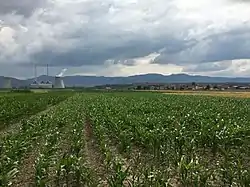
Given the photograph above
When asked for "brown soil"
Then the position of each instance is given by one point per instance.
(26, 175)
(94, 157)
(10, 129)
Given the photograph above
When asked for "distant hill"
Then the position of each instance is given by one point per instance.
(15, 82)
(88, 81)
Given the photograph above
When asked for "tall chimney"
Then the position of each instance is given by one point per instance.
(47, 69)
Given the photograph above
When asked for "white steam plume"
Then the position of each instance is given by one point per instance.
(61, 73)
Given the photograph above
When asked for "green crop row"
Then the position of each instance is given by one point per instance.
(181, 140)
(62, 161)
(42, 133)
(21, 106)
(201, 140)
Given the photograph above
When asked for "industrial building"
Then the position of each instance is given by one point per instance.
(42, 84)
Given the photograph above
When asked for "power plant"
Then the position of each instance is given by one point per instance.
(7, 83)
(39, 84)
(46, 83)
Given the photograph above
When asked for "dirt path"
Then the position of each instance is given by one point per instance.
(94, 157)
(26, 174)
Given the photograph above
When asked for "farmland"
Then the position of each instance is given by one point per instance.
(20, 106)
(125, 139)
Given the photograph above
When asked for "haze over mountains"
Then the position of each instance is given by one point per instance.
(88, 81)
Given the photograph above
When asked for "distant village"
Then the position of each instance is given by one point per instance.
(180, 86)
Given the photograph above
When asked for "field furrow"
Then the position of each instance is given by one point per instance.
(95, 159)
(26, 174)
(130, 139)
(177, 131)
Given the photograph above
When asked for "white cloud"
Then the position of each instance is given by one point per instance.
(141, 65)
(86, 32)
(234, 68)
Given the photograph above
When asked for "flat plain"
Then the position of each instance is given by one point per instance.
(125, 139)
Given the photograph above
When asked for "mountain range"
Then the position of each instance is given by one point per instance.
(88, 81)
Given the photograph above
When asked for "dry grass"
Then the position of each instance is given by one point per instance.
(239, 94)
(39, 90)
(211, 93)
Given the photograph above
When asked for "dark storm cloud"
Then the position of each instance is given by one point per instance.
(97, 55)
(86, 36)
(229, 45)
(219, 47)
(20, 71)
(93, 33)
(22, 7)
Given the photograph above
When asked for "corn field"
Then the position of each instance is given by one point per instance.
(125, 139)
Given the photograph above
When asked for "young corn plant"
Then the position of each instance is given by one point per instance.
(120, 174)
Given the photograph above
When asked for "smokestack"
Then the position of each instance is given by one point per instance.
(35, 73)
(47, 70)
(61, 73)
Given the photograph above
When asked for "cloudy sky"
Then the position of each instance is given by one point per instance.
(125, 37)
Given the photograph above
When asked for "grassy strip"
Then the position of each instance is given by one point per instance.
(15, 128)
(23, 106)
